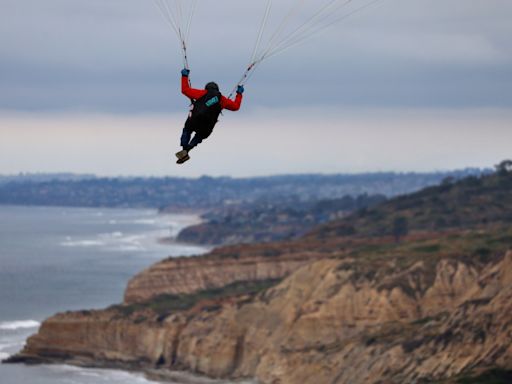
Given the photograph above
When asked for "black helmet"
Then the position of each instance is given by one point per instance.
(211, 86)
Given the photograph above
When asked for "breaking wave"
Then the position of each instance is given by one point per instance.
(81, 243)
(83, 375)
(21, 324)
(112, 235)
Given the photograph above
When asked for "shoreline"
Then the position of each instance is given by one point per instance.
(195, 219)
(152, 374)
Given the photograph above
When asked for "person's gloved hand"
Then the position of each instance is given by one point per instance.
(240, 89)
(185, 72)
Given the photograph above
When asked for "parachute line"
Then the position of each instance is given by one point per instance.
(169, 21)
(318, 29)
(179, 18)
(261, 31)
(179, 14)
(283, 24)
(324, 17)
(324, 12)
(189, 24)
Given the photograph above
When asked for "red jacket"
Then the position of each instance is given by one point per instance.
(195, 94)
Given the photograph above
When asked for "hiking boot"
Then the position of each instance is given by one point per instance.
(183, 159)
(182, 154)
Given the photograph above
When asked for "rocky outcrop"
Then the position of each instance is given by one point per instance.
(328, 322)
(188, 275)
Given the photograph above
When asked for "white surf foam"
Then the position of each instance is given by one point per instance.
(111, 235)
(128, 248)
(7, 349)
(118, 241)
(21, 324)
(145, 221)
(102, 375)
(81, 243)
(136, 239)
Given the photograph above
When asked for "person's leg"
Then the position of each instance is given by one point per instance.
(201, 134)
(185, 142)
(185, 137)
(196, 140)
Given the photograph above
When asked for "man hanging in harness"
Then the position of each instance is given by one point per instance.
(207, 104)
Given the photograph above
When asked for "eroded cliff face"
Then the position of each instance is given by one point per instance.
(188, 275)
(328, 322)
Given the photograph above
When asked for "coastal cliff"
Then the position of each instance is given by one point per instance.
(416, 290)
(327, 323)
(177, 276)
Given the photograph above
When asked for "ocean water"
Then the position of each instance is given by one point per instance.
(59, 259)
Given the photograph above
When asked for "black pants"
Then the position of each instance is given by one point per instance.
(202, 132)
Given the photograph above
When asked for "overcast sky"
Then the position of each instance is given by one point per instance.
(93, 86)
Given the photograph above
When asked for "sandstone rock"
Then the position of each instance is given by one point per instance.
(189, 275)
(322, 324)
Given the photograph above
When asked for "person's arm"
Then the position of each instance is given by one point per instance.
(233, 105)
(187, 90)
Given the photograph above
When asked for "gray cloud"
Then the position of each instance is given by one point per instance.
(118, 56)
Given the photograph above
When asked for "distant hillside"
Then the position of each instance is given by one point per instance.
(454, 203)
(467, 203)
(206, 192)
(43, 177)
(264, 222)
